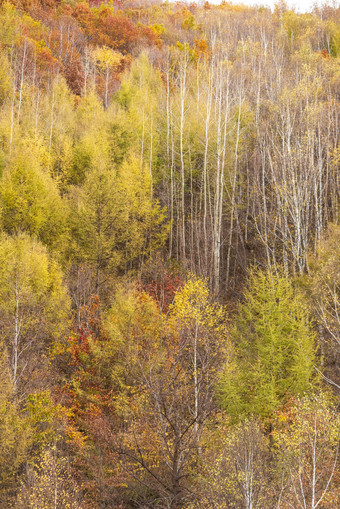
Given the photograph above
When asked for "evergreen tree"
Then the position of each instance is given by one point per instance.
(274, 348)
(29, 199)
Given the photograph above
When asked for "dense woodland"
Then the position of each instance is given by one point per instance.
(169, 256)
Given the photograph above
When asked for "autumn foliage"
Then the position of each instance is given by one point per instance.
(169, 255)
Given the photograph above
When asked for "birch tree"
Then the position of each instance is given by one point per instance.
(34, 304)
(310, 447)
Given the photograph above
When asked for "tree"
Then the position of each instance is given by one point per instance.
(15, 433)
(274, 348)
(140, 97)
(49, 484)
(235, 470)
(54, 130)
(309, 455)
(107, 61)
(177, 367)
(5, 74)
(116, 223)
(144, 388)
(34, 303)
(324, 286)
(29, 199)
(91, 147)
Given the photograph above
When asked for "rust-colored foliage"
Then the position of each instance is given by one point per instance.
(324, 53)
(74, 75)
(201, 47)
(161, 284)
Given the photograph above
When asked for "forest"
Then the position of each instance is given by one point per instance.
(169, 255)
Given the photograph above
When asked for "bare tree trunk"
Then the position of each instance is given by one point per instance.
(232, 196)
